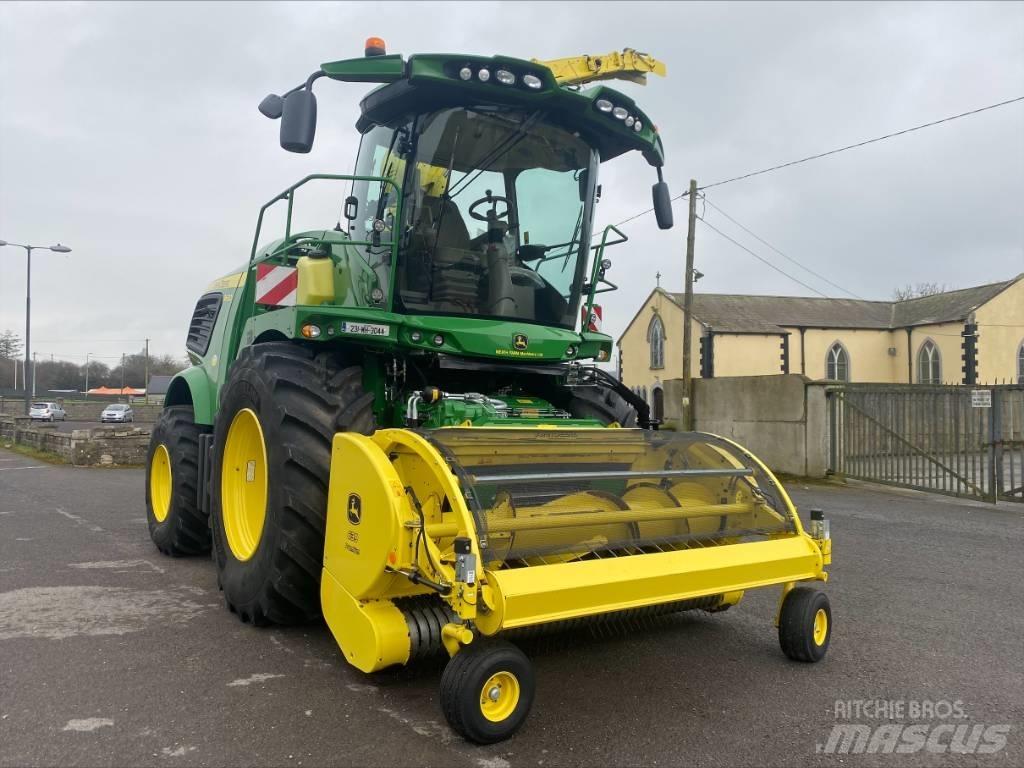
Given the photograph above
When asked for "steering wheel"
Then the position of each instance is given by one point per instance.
(491, 200)
(526, 277)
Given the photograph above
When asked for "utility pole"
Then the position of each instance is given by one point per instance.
(87, 374)
(146, 382)
(122, 373)
(688, 311)
(33, 375)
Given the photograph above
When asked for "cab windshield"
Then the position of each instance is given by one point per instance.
(496, 217)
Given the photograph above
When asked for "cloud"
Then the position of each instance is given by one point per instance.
(130, 132)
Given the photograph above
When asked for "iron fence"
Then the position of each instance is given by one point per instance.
(957, 440)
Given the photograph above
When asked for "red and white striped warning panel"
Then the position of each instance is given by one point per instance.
(594, 321)
(276, 286)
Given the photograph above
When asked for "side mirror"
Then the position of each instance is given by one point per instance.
(351, 207)
(662, 205)
(298, 121)
(531, 252)
(272, 106)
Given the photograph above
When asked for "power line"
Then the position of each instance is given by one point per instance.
(762, 259)
(863, 143)
(642, 213)
(832, 152)
(788, 258)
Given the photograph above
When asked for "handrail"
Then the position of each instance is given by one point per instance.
(595, 269)
(289, 195)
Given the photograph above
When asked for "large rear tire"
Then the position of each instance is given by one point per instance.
(176, 525)
(279, 411)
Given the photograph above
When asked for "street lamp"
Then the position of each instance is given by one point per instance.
(30, 374)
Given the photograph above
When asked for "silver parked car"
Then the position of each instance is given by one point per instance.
(46, 412)
(118, 412)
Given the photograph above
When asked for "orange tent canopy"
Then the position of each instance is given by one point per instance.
(116, 391)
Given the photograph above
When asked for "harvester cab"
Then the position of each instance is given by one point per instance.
(391, 419)
(473, 196)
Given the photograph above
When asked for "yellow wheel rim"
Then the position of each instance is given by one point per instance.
(160, 483)
(499, 696)
(243, 484)
(820, 627)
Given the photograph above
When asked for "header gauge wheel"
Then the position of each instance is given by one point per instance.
(487, 691)
(805, 624)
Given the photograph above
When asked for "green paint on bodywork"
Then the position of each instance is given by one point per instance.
(464, 336)
(440, 73)
(202, 390)
(366, 69)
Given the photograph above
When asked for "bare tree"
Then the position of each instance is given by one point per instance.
(10, 345)
(908, 291)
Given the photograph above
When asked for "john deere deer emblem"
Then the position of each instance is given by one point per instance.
(355, 508)
(520, 342)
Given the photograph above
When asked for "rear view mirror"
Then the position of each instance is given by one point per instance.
(662, 205)
(298, 121)
(531, 252)
(271, 106)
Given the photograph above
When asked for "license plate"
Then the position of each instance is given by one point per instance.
(366, 329)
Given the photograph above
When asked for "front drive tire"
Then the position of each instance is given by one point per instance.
(279, 411)
(176, 525)
(606, 405)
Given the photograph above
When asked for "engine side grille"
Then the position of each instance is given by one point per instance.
(203, 319)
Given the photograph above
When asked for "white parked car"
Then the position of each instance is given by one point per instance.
(46, 412)
(118, 412)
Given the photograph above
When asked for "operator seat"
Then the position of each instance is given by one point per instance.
(445, 221)
(456, 268)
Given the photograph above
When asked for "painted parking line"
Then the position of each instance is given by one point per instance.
(32, 466)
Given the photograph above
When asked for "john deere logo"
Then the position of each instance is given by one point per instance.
(355, 508)
(519, 341)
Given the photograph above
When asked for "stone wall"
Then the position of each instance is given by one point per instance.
(100, 446)
(781, 419)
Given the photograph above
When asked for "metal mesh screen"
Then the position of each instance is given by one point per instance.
(545, 495)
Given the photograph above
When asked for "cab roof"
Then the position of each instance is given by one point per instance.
(432, 81)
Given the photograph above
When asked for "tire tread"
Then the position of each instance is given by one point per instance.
(308, 394)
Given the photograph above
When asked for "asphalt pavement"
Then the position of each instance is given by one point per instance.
(111, 654)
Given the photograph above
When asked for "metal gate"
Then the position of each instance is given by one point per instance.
(957, 440)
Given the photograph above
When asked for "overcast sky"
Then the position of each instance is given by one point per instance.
(129, 132)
